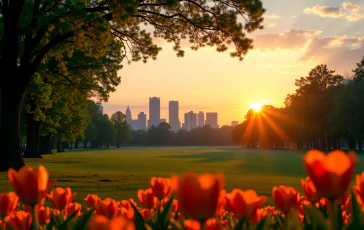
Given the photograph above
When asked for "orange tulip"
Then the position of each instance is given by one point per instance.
(359, 186)
(198, 196)
(330, 174)
(127, 203)
(210, 224)
(92, 200)
(30, 184)
(19, 220)
(191, 225)
(260, 213)
(286, 198)
(74, 207)
(161, 187)
(128, 213)
(147, 198)
(8, 203)
(29, 209)
(100, 222)
(44, 215)
(244, 203)
(310, 190)
(108, 207)
(61, 198)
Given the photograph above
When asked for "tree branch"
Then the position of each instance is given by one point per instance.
(96, 9)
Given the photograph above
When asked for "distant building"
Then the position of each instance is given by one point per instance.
(142, 119)
(234, 123)
(162, 120)
(200, 119)
(139, 124)
(154, 111)
(190, 121)
(101, 108)
(211, 119)
(173, 115)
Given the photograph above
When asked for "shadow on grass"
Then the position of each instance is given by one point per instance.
(206, 157)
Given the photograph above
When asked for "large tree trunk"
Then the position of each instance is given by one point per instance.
(351, 143)
(45, 145)
(11, 99)
(32, 150)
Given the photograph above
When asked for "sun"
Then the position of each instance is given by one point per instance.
(256, 106)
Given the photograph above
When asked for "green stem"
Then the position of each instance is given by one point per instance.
(202, 223)
(35, 218)
(286, 221)
(333, 215)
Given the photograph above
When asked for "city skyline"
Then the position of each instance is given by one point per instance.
(291, 44)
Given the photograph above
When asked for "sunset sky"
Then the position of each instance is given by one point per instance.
(298, 35)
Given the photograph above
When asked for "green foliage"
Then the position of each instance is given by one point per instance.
(121, 126)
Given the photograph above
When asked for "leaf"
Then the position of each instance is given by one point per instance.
(56, 220)
(356, 211)
(51, 223)
(279, 220)
(340, 217)
(64, 225)
(241, 223)
(82, 221)
(163, 218)
(139, 220)
(265, 223)
(316, 217)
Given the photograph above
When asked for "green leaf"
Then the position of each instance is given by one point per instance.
(163, 218)
(56, 220)
(279, 220)
(340, 217)
(51, 223)
(265, 223)
(356, 212)
(64, 225)
(316, 217)
(82, 221)
(139, 220)
(241, 224)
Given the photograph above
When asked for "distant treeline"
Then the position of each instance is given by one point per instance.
(325, 112)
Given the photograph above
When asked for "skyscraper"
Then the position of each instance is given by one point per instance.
(101, 108)
(190, 121)
(173, 116)
(142, 120)
(234, 123)
(211, 119)
(128, 116)
(201, 119)
(154, 111)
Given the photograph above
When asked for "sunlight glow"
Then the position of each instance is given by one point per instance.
(256, 106)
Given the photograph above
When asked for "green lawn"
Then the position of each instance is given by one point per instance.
(119, 173)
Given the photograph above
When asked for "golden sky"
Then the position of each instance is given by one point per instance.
(293, 42)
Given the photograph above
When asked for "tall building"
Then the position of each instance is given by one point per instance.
(190, 121)
(101, 108)
(173, 115)
(234, 123)
(128, 116)
(142, 120)
(200, 119)
(154, 111)
(211, 119)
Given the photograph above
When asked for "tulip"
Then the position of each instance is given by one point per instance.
(210, 224)
(174, 203)
(19, 220)
(161, 187)
(359, 186)
(244, 203)
(74, 207)
(108, 207)
(30, 184)
(44, 215)
(286, 198)
(128, 213)
(61, 198)
(330, 174)
(8, 203)
(147, 198)
(310, 190)
(260, 213)
(100, 222)
(198, 196)
(92, 200)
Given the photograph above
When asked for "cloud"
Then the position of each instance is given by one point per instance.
(340, 53)
(272, 16)
(351, 13)
(350, 6)
(325, 11)
(293, 39)
(270, 25)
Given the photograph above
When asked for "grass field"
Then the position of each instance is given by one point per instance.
(119, 173)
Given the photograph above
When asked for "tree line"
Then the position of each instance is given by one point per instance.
(325, 112)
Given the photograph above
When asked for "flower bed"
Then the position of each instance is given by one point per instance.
(194, 202)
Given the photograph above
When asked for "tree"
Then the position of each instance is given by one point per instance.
(105, 131)
(123, 129)
(160, 135)
(36, 33)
